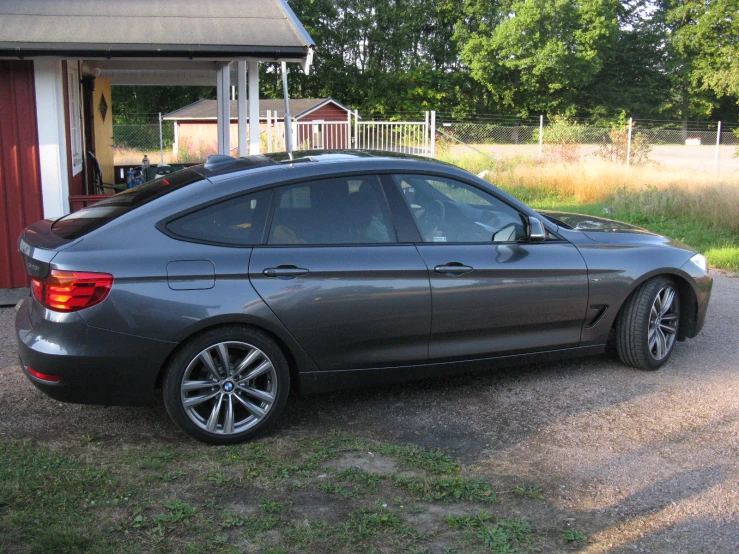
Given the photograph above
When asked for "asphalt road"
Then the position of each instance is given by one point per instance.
(643, 461)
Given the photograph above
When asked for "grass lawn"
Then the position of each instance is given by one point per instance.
(331, 494)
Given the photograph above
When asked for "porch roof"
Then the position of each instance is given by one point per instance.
(136, 29)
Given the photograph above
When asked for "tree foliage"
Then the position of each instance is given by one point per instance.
(585, 58)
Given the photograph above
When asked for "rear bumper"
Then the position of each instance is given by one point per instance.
(96, 366)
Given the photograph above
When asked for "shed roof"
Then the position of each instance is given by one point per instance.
(207, 110)
(212, 29)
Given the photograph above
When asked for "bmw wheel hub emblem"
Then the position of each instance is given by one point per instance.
(228, 386)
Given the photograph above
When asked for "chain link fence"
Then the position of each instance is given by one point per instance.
(689, 145)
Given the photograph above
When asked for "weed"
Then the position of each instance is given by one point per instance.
(448, 489)
(573, 536)
(272, 507)
(529, 491)
(220, 478)
(508, 535)
(432, 461)
(158, 458)
(367, 523)
(469, 522)
(257, 524)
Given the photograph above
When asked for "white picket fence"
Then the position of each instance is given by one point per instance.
(407, 137)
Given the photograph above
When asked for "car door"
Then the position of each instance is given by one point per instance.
(334, 273)
(493, 292)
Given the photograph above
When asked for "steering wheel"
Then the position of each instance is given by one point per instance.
(433, 217)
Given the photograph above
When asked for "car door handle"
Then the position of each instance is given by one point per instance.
(453, 268)
(285, 271)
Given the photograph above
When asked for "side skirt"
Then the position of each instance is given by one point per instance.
(312, 382)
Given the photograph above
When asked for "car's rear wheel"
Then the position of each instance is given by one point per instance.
(647, 327)
(226, 385)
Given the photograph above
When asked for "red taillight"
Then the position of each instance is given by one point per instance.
(69, 291)
(43, 376)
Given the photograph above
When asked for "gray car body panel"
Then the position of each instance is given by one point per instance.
(384, 316)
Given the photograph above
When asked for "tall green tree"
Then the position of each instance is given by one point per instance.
(707, 38)
(534, 56)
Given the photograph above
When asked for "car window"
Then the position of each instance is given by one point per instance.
(447, 210)
(238, 221)
(82, 222)
(342, 210)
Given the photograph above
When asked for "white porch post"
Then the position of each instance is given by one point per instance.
(223, 87)
(253, 108)
(242, 108)
(51, 137)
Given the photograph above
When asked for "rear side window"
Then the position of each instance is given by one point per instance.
(80, 223)
(342, 210)
(238, 221)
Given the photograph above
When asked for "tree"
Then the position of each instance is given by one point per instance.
(707, 37)
(536, 55)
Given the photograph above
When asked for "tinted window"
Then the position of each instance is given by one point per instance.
(344, 210)
(238, 221)
(446, 210)
(80, 223)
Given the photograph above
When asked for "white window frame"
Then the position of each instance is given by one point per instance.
(75, 116)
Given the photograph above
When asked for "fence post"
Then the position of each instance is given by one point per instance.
(356, 128)
(628, 144)
(161, 142)
(541, 135)
(718, 144)
(433, 133)
(269, 130)
(426, 135)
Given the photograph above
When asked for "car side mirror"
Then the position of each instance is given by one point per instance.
(536, 231)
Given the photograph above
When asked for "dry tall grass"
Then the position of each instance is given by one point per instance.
(650, 190)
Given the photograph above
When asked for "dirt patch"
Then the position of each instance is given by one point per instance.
(366, 461)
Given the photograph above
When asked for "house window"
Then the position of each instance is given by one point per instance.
(75, 116)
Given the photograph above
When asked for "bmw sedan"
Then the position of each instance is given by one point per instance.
(225, 286)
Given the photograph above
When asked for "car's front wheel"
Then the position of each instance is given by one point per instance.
(226, 385)
(647, 327)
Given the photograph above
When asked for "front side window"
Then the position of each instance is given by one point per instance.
(342, 210)
(446, 210)
(238, 221)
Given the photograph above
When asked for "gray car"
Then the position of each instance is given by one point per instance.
(229, 284)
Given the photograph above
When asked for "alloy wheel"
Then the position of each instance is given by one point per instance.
(228, 388)
(663, 321)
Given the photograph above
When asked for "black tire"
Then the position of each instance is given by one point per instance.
(637, 325)
(236, 409)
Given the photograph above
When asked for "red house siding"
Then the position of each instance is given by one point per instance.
(20, 177)
(329, 112)
(332, 136)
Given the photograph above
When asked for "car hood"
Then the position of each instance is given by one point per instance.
(600, 229)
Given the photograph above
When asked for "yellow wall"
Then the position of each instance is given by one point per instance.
(103, 128)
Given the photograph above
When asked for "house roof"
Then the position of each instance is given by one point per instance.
(206, 29)
(207, 110)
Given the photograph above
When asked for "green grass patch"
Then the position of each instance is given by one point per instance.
(499, 536)
(529, 491)
(573, 536)
(412, 457)
(448, 489)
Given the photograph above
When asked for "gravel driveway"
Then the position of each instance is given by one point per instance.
(642, 461)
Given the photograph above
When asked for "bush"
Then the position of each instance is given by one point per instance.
(614, 147)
